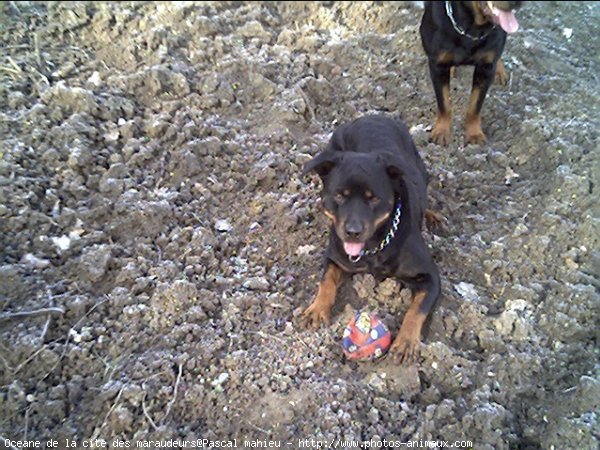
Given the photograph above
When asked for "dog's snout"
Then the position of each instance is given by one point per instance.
(353, 228)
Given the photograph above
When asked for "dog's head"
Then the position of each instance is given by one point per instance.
(359, 193)
(498, 12)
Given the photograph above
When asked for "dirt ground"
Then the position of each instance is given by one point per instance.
(151, 205)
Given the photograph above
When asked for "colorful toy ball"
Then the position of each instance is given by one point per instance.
(366, 337)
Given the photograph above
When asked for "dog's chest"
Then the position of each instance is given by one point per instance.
(382, 270)
(466, 56)
(371, 264)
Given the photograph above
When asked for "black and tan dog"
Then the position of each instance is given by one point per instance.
(375, 193)
(457, 33)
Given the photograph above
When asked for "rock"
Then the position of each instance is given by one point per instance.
(95, 80)
(218, 382)
(73, 99)
(467, 291)
(223, 226)
(79, 157)
(121, 419)
(375, 381)
(63, 243)
(514, 321)
(387, 288)
(257, 284)
(94, 261)
(254, 29)
(16, 99)
(405, 380)
(305, 249)
(34, 262)
(111, 187)
(157, 128)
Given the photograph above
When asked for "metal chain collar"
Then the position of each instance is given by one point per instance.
(459, 30)
(386, 240)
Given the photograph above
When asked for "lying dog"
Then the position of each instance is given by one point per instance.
(375, 193)
(457, 33)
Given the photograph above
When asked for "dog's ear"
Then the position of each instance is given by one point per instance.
(322, 164)
(393, 164)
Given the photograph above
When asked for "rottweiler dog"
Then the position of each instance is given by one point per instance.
(375, 193)
(473, 33)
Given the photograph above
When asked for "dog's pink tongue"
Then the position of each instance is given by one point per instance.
(507, 21)
(352, 248)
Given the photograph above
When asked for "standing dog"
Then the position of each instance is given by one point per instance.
(375, 193)
(457, 33)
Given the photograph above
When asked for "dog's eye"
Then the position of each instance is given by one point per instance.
(374, 201)
(340, 197)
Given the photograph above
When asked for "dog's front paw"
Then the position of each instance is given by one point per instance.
(475, 137)
(434, 220)
(441, 132)
(501, 77)
(406, 348)
(315, 314)
(474, 133)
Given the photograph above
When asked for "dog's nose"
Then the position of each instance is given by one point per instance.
(353, 228)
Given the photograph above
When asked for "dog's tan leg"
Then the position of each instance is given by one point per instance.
(474, 133)
(320, 309)
(443, 120)
(501, 76)
(405, 347)
(433, 219)
(439, 70)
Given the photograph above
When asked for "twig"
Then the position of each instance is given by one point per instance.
(36, 44)
(174, 395)
(33, 355)
(62, 355)
(43, 77)
(5, 362)
(256, 427)
(8, 69)
(146, 413)
(37, 312)
(45, 330)
(26, 423)
(106, 365)
(98, 430)
(14, 64)
(264, 335)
